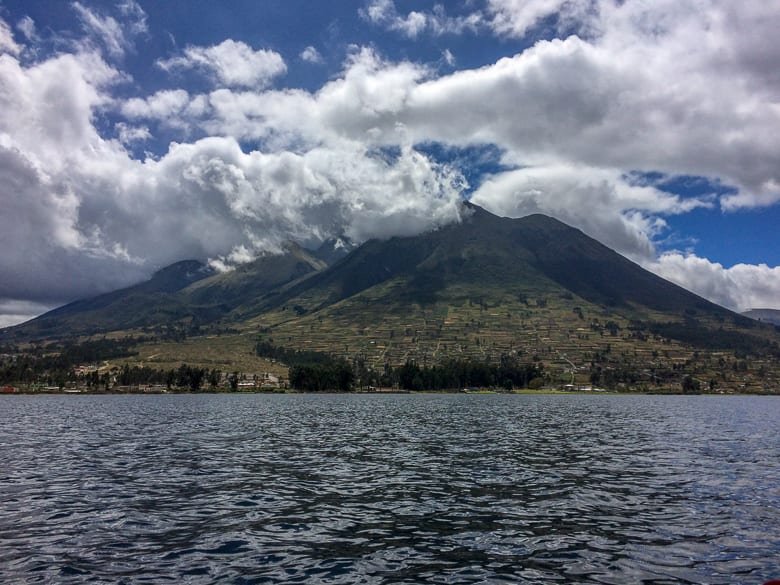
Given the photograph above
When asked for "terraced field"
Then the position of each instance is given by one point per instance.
(567, 334)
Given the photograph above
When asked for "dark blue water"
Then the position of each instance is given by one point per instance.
(389, 489)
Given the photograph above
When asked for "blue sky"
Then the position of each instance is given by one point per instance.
(136, 133)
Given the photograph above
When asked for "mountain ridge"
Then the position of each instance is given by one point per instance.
(536, 246)
(477, 288)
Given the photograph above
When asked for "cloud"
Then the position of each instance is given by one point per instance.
(363, 105)
(263, 199)
(437, 22)
(680, 87)
(130, 134)
(83, 216)
(604, 203)
(162, 105)
(232, 63)
(49, 152)
(601, 105)
(27, 27)
(135, 17)
(117, 36)
(574, 101)
(7, 42)
(504, 18)
(741, 287)
(645, 90)
(57, 257)
(13, 312)
(516, 18)
(311, 55)
(47, 109)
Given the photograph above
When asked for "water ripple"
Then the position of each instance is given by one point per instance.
(389, 489)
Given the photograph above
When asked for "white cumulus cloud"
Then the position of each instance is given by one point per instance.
(740, 287)
(164, 104)
(311, 55)
(232, 63)
(596, 104)
(27, 27)
(515, 18)
(683, 87)
(129, 134)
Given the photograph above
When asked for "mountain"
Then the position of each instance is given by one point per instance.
(504, 256)
(765, 315)
(334, 249)
(490, 285)
(239, 288)
(183, 292)
(481, 288)
(152, 301)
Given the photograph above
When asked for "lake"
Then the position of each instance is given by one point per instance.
(389, 489)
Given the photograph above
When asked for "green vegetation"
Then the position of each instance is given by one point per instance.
(184, 377)
(693, 333)
(310, 371)
(467, 293)
(291, 357)
(322, 377)
(229, 353)
(508, 374)
(58, 366)
(313, 371)
(53, 364)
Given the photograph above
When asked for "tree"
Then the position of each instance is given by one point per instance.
(690, 384)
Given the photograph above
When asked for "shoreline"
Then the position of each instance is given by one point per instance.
(520, 392)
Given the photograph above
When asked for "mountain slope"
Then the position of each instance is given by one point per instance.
(765, 315)
(242, 284)
(148, 302)
(333, 250)
(476, 289)
(185, 291)
(489, 286)
(513, 255)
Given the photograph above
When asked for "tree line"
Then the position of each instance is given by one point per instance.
(313, 371)
(509, 373)
(310, 371)
(53, 364)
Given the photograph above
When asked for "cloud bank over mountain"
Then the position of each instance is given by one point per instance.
(585, 119)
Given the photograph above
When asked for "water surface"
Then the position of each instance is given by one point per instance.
(389, 489)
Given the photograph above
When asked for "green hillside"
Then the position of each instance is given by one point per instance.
(491, 286)
(180, 295)
(484, 288)
(487, 257)
(152, 302)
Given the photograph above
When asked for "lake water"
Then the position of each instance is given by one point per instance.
(389, 489)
